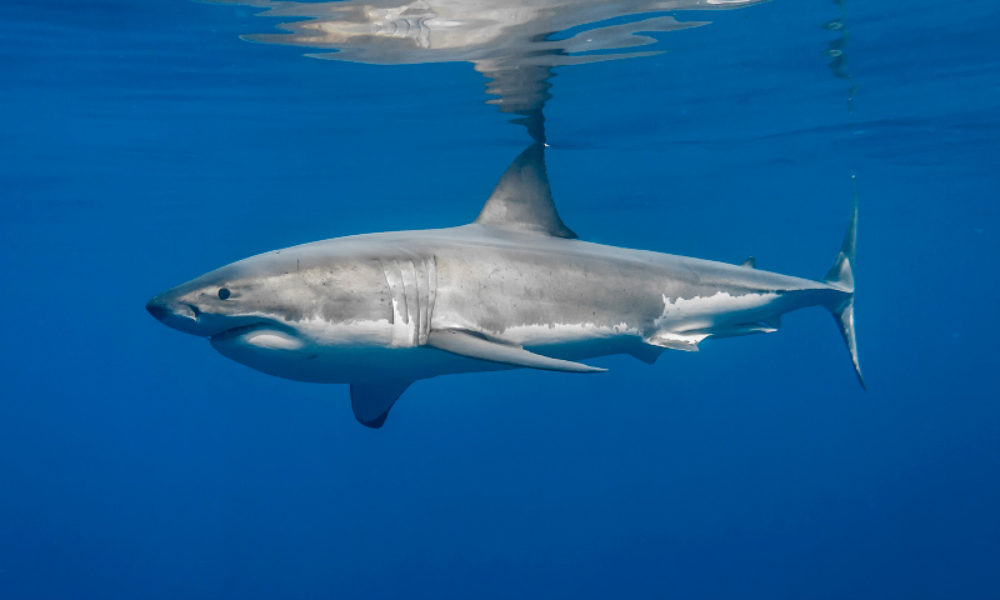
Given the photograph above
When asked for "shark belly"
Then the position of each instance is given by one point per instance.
(289, 356)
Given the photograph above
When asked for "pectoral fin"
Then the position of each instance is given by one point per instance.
(371, 401)
(468, 344)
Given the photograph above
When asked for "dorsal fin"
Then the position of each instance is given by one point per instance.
(750, 263)
(522, 199)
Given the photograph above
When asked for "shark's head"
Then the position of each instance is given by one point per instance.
(198, 307)
(233, 297)
(292, 313)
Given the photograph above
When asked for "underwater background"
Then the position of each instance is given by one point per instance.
(145, 143)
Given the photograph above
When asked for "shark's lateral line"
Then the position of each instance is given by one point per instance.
(514, 289)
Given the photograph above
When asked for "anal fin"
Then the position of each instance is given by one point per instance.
(468, 344)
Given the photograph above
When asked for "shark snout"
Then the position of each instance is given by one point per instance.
(178, 315)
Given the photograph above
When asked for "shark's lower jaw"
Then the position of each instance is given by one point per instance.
(262, 336)
(284, 352)
(265, 347)
(259, 335)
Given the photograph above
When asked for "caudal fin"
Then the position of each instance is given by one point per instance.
(841, 277)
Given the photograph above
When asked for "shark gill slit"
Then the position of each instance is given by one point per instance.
(388, 289)
(412, 288)
(411, 291)
(420, 294)
(397, 299)
(430, 270)
(403, 300)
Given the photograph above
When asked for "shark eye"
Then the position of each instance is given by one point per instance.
(223, 293)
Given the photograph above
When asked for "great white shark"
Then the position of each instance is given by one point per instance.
(516, 288)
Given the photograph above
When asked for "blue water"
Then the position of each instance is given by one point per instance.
(145, 143)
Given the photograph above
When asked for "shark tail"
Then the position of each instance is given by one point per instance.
(841, 277)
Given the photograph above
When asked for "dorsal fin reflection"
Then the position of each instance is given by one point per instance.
(513, 43)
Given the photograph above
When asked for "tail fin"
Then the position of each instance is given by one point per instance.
(841, 277)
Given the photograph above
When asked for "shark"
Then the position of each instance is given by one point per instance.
(516, 288)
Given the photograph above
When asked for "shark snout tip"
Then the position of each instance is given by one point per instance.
(178, 315)
(158, 308)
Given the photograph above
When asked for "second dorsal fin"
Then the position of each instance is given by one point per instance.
(522, 199)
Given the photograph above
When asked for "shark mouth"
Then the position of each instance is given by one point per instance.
(237, 331)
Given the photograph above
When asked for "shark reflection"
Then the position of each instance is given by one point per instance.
(515, 44)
